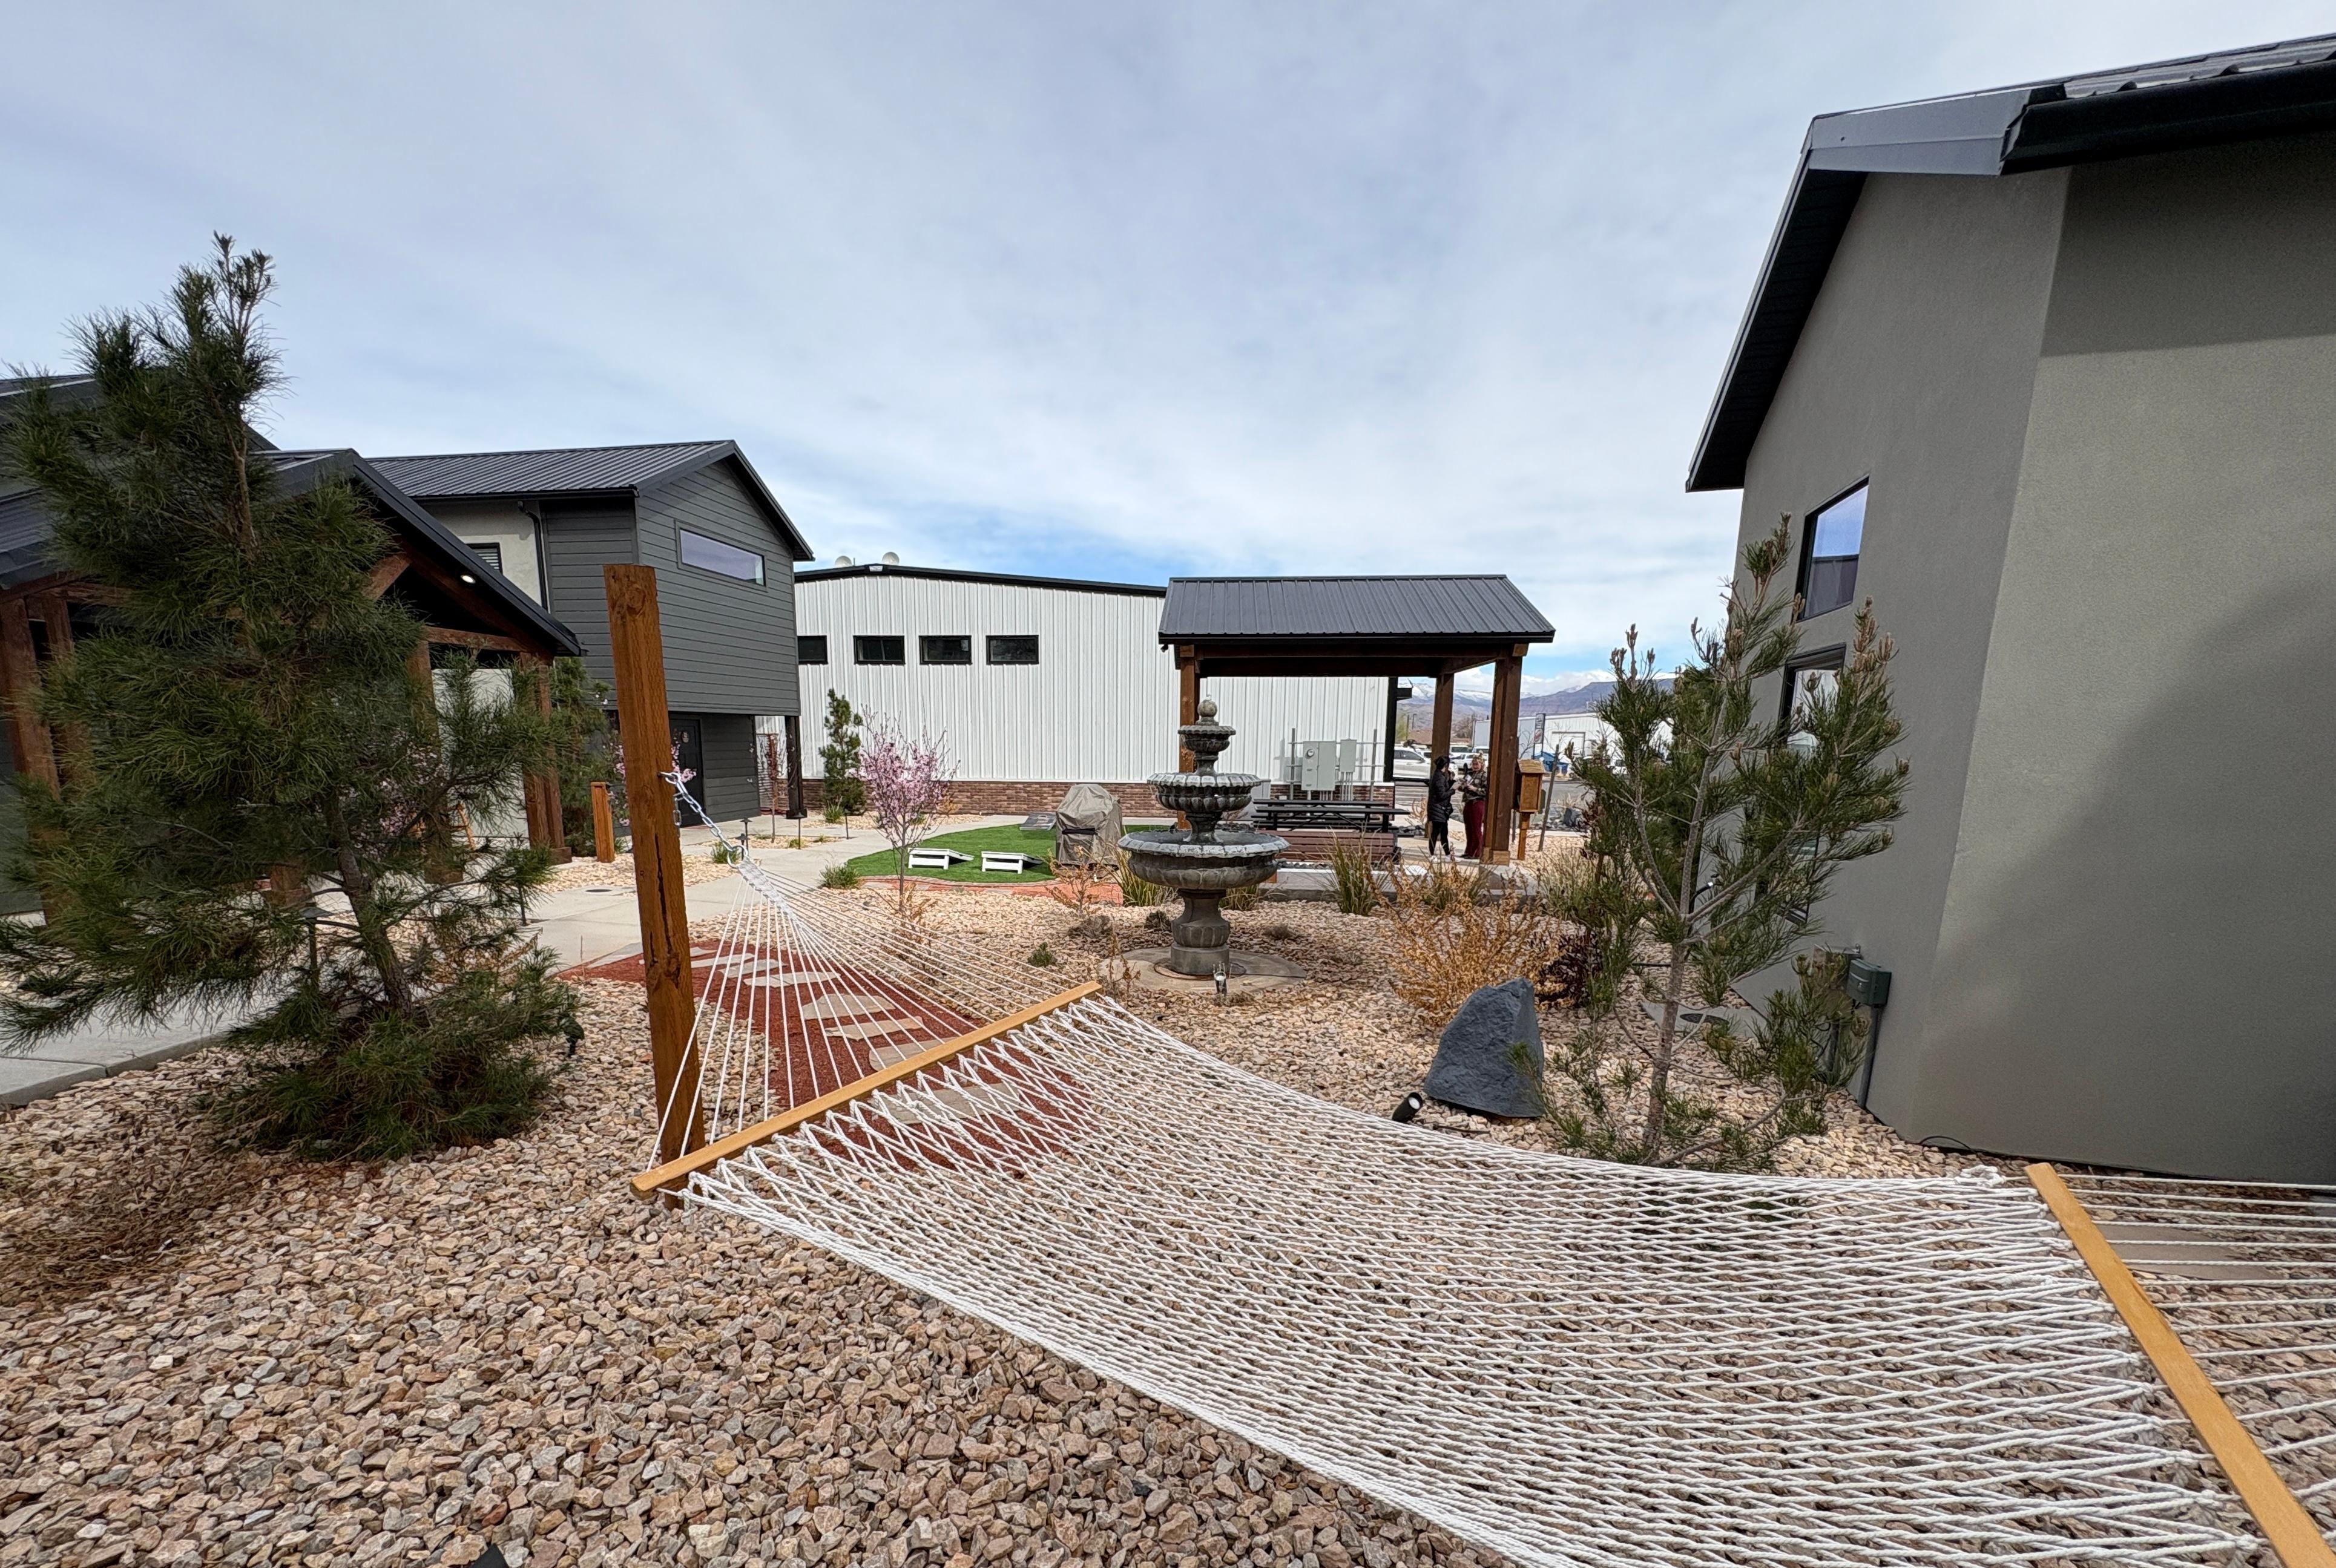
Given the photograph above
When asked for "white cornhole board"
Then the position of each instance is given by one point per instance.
(934, 859)
(1004, 860)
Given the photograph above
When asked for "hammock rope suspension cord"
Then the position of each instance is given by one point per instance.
(1568, 1362)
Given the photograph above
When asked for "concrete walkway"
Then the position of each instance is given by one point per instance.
(585, 926)
(581, 926)
(100, 1050)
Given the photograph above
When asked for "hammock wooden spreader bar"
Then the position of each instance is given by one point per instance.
(673, 1173)
(2283, 1519)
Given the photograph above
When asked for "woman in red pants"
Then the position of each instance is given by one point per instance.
(1473, 782)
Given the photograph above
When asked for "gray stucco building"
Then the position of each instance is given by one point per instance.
(724, 553)
(2066, 354)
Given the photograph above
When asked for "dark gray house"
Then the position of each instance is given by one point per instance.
(2049, 372)
(724, 553)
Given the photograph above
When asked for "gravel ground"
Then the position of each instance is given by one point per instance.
(328, 1365)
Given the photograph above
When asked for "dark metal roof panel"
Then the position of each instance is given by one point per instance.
(566, 471)
(1411, 608)
(2202, 100)
(24, 539)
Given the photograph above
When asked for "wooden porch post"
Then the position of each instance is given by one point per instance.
(1440, 733)
(1501, 797)
(20, 675)
(794, 768)
(647, 734)
(546, 825)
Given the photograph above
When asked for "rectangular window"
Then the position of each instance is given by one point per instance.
(945, 649)
(1829, 546)
(489, 552)
(1814, 677)
(1015, 650)
(1811, 675)
(880, 650)
(713, 556)
(810, 650)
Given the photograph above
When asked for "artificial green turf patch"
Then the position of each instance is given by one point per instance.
(972, 842)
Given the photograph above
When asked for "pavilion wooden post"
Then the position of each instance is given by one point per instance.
(1440, 733)
(1188, 700)
(794, 768)
(1188, 711)
(1501, 796)
(604, 824)
(646, 729)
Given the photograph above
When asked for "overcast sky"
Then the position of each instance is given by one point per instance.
(1115, 290)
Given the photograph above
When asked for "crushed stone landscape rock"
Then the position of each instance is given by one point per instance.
(403, 1363)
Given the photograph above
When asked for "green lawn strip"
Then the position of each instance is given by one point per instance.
(971, 842)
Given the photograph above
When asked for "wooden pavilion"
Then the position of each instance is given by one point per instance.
(1390, 626)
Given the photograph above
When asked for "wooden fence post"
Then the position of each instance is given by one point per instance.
(604, 823)
(647, 734)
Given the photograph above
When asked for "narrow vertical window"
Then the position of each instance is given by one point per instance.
(1829, 548)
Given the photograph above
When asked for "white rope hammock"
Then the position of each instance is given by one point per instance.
(1565, 1360)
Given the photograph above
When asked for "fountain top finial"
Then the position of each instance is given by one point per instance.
(1208, 708)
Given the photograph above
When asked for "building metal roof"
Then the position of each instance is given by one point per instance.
(578, 471)
(2198, 100)
(1003, 580)
(25, 530)
(1420, 609)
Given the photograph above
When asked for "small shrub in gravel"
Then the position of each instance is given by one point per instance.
(1042, 956)
(839, 876)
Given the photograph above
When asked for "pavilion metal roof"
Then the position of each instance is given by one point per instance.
(1486, 608)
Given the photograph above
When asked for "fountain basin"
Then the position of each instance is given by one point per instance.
(1222, 861)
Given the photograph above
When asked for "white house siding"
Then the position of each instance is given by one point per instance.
(1099, 706)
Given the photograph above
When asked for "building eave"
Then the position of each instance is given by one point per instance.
(2201, 101)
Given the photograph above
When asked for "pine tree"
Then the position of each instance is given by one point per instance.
(846, 793)
(245, 711)
(1717, 826)
(584, 750)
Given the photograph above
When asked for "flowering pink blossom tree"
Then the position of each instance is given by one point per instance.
(908, 783)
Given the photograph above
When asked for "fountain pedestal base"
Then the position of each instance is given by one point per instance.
(1202, 935)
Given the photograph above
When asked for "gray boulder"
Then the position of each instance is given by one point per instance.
(1489, 1058)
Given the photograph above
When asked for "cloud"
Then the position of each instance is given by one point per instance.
(1050, 287)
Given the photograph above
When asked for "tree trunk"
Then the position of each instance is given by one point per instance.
(372, 932)
(1659, 1081)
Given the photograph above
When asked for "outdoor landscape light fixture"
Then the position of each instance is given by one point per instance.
(1408, 1107)
(1224, 985)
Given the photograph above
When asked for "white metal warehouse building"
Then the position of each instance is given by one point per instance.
(1037, 683)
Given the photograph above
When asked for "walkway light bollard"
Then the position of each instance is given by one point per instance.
(604, 824)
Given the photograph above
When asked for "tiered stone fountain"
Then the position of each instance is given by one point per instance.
(1204, 863)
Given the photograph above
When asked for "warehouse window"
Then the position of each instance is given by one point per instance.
(713, 556)
(1829, 546)
(1015, 650)
(880, 650)
(810, 650)
(945, 649)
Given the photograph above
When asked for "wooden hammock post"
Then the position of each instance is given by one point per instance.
(604, 824)
(646, 731)
(2284, 1524)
